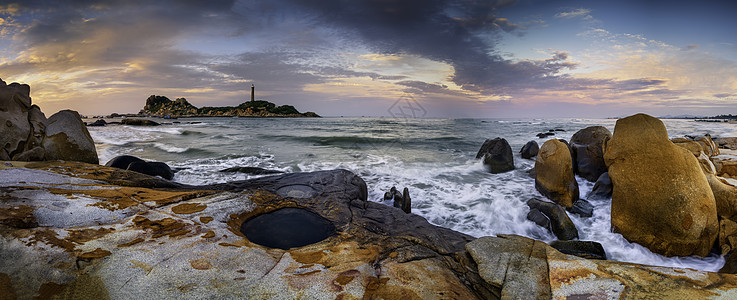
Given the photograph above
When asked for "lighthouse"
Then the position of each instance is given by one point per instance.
(252, 90)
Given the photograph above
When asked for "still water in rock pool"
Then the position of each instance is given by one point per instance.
(434, 158)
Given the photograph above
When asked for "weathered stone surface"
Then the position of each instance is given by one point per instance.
(582, 208)
(727, 236)
(577, 278)
(690, 145)
(554, 176)
(516, 265)
(152, 168)
(726, 142)
(709, 146)
(726, 165)
(602, 188)
(497, 155)
(560, 223)
(185, 242)
(529, 150)
(587, 146)
(67, 138)
(584, 249)
(14, 105)
(661, 197)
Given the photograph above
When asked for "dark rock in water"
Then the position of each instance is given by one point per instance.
(585, 249)
(251, 170)
(497, 155)
(539, 218)
(396, 196)
(560, 223)
(406, 203)
(529, 150)
(152, 168)
(98, 122)
(559, 129)
(287, 228)
(542, 135)
(549, 133)
(582, 208)
(139, 122)
(730, 265)
(587, 145)
(122, 161)
(602, 188)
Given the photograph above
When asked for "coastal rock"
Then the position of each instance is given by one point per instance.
(529, 150)
(726, 142)
(186, 242)
(139, 122)
(688, 144)
(132, 163)
(14, 105)
(516, 265)
(661, 198)
(584, 249)
(406, 204)
(251, 170)
(726, 166)
(587, 146)
(582, 208)
(497, 155)
(554, 173)
(539, 218)
(602, 189)
(560, 223)
(709, 146)
(68, 139)
(152, 168)
(727, 237)
(122, 161)
(98, 122)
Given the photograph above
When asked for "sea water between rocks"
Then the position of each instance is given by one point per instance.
(434, 158)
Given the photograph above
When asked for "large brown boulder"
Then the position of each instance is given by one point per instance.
(661, 198)
(587, 146)
(554, 173)
(68, 139)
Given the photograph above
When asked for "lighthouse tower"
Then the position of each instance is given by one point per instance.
(252, 90)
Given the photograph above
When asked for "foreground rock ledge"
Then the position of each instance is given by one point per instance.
(72, 230)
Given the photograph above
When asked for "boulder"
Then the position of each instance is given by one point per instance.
(584, 249)
(406, 204)
(152, 168)
(726, 166)
(582, 208)
(68, 139)
(98, 122)
(726, 142)
(727, 236)
(529, 150)
(560, 223)
(709, 146)
(139, 122)
(497, 155)
(539, 218)
(661, 198)
(602, 189)
(587, 147)
(554, 173)
(122, 161)
(15, 102)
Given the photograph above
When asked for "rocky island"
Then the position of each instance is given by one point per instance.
(161, 106)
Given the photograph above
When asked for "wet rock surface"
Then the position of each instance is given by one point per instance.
(497, 155)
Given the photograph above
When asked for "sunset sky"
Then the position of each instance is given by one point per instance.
(465, 58)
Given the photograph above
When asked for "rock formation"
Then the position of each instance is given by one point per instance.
(497, 155)
(587, 146)
(554, 176)
(529, 150)
(161, 106)
(29, 136)
(661, 198)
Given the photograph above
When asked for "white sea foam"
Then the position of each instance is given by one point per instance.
(170, 148)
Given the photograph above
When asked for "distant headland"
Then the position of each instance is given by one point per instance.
(161, 106)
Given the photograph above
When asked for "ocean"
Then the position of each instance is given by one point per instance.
(434, 158)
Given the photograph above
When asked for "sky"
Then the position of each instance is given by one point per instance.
(457, 59)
